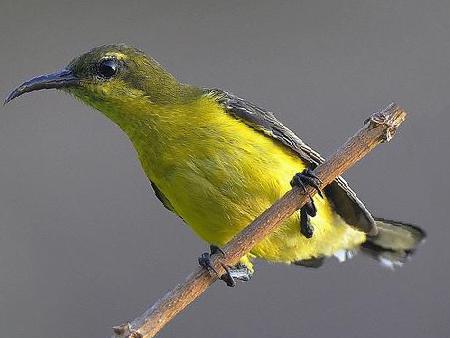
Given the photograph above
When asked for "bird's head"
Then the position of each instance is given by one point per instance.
(109, 78)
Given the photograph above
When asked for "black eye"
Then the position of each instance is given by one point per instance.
(107, 68)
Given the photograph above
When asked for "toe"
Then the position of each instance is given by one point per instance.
(227, 277)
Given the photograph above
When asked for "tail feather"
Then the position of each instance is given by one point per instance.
(395, 242)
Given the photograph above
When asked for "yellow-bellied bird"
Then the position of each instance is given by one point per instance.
(218, 161)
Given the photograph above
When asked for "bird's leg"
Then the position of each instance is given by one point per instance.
(239, 271)
(307, 177)
(306, 229)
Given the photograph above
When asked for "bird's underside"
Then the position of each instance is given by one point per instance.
(347, 209)
(344, 200)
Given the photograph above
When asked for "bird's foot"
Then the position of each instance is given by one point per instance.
(239, 271)
(307, 177)
(205, 259)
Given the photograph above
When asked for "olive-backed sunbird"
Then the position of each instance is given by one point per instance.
(218, 161)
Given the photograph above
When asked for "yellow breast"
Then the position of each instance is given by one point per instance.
(219, 174)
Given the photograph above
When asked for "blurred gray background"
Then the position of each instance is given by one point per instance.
(84, 244)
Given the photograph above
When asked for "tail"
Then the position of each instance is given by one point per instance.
(395, 242)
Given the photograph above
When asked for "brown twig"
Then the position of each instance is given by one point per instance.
(380, 127)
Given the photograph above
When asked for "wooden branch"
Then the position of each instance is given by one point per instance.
(380, 127)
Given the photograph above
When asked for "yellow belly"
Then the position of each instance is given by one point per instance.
(220, 174)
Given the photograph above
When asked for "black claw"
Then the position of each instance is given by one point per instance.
(307, 177)
(214, 249)
(310, 173)
(205, 261)
(313, 182)
(227, 277)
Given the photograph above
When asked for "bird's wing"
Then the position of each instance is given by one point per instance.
(163, 199)
(344, 199)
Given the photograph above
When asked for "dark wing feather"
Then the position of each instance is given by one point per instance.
(344, 200)
(163, 199)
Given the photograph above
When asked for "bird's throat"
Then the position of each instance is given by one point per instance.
(157, 130)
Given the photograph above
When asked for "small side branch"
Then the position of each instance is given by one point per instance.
(378, 128)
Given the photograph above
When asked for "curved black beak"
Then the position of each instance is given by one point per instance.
(60, 79)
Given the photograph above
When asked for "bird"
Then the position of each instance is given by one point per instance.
(218, 161)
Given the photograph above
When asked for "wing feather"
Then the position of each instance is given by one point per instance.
(344, 199)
